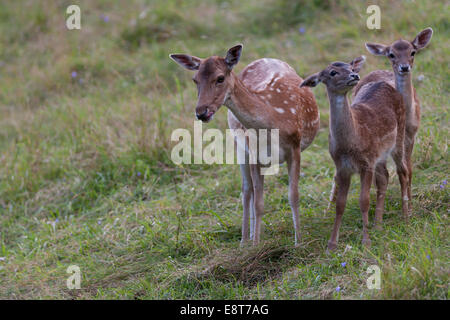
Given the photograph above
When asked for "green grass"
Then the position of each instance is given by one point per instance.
(86, 177)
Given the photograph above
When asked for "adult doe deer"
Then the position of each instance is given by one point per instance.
(265, 95)
(362, 136)
(401, 54)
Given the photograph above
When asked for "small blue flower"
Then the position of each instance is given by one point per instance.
(343, 264)
(99, 221)
(338, 289)
(56, 220)
(428, 257)
(302, 30)
(105, 18)
(139, 174)
(80, 81)
(444, 182)
(74, 74)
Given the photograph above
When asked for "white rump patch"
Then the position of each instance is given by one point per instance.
(279, 110)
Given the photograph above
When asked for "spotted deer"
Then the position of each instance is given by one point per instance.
(401, 54)
(265, 95)
(361, 137)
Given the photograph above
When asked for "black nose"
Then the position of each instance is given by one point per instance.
(405, 68)
(355, 76)
(201, 113)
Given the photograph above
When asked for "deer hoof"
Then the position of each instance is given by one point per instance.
(331, 247)
(367, 243)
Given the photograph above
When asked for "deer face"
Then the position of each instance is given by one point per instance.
(401, 53)
(213, 80)
(339, 77)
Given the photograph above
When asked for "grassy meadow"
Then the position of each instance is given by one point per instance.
(86, 177)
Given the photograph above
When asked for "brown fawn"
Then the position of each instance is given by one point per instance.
(361, 137)
(265, 95)
(401, 53)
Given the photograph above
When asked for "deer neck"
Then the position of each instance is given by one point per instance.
(404, 86)
(248, 108)
(341, 120)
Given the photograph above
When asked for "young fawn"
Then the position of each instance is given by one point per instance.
(361, 137)
(265, 95)
(401, 54)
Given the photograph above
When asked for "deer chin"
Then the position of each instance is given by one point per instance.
(208, 117)
(353, 83)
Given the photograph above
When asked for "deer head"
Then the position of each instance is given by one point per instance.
(339, 77)
(212, 78)
(401, 53)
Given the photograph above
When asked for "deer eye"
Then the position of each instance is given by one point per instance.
(391, 55)
(220, 79)
(413, 53)
(333, 73)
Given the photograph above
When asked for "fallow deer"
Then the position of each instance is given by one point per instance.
(361, 137)
(401, 53)
(265, 95)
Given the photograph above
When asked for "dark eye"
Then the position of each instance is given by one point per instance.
(391, 55)
(220, 79)
(413, 53)
(333, 73)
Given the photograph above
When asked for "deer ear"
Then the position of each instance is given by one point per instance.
(233, 56)
(311, 81)
(422, 39)
(186, 61)
(376, 49)
(358, 63)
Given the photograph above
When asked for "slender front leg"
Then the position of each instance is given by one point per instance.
(364, 201)
(294, 172)
(381, 181)
(247, 197)
(333, 194)
(258, 200)
(343, 184)
(408, 157)
(403, 176)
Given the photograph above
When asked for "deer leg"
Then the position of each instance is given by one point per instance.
(381, 181)
(333, 194)
(408, 156)
(403, 175)
(247, 195)
(364, 201)
(258, 200)
(294, 172)
(343, 184)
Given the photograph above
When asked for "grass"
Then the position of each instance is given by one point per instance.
(86, 177)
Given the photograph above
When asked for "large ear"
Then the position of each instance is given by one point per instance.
(358, 63)
(422, 39)
(376, 49)
(233, 56)
(186, 61)
(311, 81)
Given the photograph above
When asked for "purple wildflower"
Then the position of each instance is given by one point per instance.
(56, 220)
(338, 289)
(99, 221)
(343, 264)
(105, 18)
(138, 174)
(302, 30)
(74, 74)
(428, 257)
